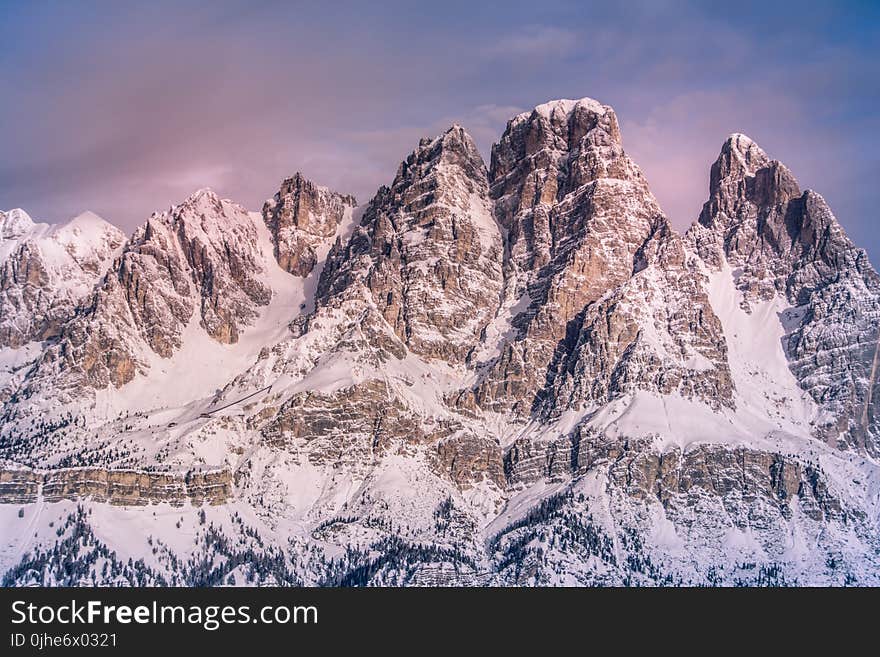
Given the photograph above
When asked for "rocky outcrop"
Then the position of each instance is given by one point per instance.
(428, 250)
(351, 426)
(19, 486)
(577, 210)
(14, 225)
(201, 256)
(629, 512)
(655, 332)
(46, 270)
(355, 426)
(608, 300)
(300, 217)
(421, 275)
(469, 459)
(117, 487)
(741, 478)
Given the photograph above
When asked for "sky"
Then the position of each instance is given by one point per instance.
(124, 108)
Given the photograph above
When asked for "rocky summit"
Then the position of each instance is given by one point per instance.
(518, 374)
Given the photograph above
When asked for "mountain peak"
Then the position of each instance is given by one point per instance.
(85, 231)
(89, 217)
(564, 107)
(569, 142)
(87, 221)
(739, 140)
(299, 183)
(457, 139)
(741, 154)
(559, 128)
(452, 148)
(204, 193)
(743, 170)
(46, 270)
(565, 122)
(15, 223)
(454, 138)
(296, 182)
(300, 216)
(203, 201)
(523, 377)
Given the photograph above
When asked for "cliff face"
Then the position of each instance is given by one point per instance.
(197, 262)
(581, 224)
(656, 332)
(117, 487)
(300, 216)
(677, 478)
(45, 271)
(412, 290)
(428, 250)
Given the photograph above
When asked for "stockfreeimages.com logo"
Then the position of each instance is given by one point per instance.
(210, 617)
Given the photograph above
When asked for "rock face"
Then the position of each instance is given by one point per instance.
(640, 471)
(196, 262)
(117, 487)
(655, 332)
(46, 270)
(300, 216)
(783, 242)
(734, 503)
(515, 376)
(577, 210)
(352, 426)
(605, 285)
(416, 283)
(19, 486)
(428, 250)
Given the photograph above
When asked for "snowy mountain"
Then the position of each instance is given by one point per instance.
(513, 375)
(45, 270)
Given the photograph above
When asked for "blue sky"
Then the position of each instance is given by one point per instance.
(124, 108)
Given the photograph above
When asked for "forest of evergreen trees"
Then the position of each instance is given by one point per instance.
(526, 551)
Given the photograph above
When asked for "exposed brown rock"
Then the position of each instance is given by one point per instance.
(117, 487)
(200, 258)
(300, 216)
(740, 477)
(428, 250)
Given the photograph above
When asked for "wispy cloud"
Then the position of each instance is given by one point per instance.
(534, 41)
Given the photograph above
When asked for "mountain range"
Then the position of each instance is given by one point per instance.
(518, 374)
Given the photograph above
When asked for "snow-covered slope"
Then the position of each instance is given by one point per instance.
(520, 375)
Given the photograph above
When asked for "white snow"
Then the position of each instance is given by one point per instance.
(764, 383)
(288, 492)
(563, 106)
(15, 224)
(202, 367)
(500, 330)
(69, 251)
